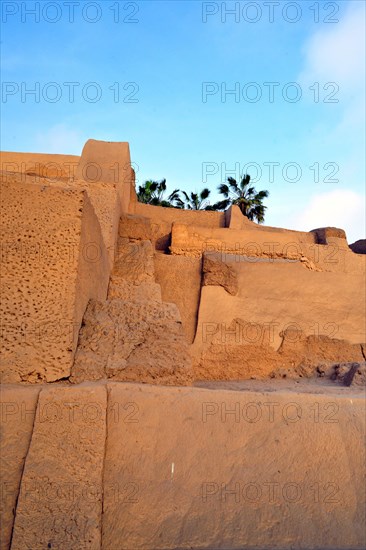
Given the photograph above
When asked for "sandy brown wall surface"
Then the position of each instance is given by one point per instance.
(108, 162)
(122, 466)
(283, 292)
(106, 204)
(155, 222)
(180, 281)
(17, 407)
(103, 169)
(204, 481)
(103, 196)
(161, 214)
(60, 498)
(93, 266)
(256, 241)
(40, 164)
(45, 234)
(138, 227)
(259, 314)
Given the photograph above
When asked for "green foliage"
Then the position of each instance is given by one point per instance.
(243, 195)
(153, 192)
(195, 201)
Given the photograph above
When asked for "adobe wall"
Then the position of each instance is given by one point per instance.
(183, 468)
(133, 226)
(315, 272)
(104, 198)
(108, 162)
(103, 170)
(18, 407)
(130, 465)
(48, 238)
(40, 164)
(206, 484)
(133, 335)
(180, 281)
(252, 240)
(155, 222)
(256, 317)
(258, 241)
(60, 499)
(247, 303)
(170, 215)
(71, 206)
(93, 265)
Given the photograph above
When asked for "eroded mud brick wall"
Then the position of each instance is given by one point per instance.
(41, 165)
(259, 285)
(124, 466)
(110, 163)
(59, 229)
(50, 238)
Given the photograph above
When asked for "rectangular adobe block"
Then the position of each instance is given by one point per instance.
(108, 162)
(199, 468)
(17, 411)
(44, 166)
(257, 241)
(53, 260)
(60, 500)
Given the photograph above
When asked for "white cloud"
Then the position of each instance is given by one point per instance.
(336, 53)
(338, 208)
(60, 139)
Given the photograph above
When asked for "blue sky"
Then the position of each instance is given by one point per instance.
(171, 63)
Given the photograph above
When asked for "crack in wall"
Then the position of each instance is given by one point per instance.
(23, 468)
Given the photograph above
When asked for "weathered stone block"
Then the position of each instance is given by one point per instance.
(200, 468)
(108, 162)
(53, 259)
(60, 501)
(18, 408)
(132, 341)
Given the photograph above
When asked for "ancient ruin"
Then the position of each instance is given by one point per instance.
(173, 378)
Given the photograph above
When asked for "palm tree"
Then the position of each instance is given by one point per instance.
(247, 198)
(195, 201)
(152, 192)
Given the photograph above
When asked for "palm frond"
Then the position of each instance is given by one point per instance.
(262, 194)
(205, 193)
(223, 189)
(174, 195)
(220, 205)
